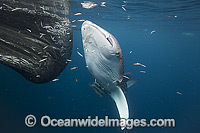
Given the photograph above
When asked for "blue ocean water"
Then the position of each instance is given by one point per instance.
(169, 89)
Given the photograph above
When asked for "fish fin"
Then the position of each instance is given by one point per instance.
(131, 82)
(98, 89)
(123, 82)
(121, 103)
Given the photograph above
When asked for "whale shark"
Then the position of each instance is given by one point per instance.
(104, 61)
(35, 37)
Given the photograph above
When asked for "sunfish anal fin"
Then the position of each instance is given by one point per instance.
(120, 100)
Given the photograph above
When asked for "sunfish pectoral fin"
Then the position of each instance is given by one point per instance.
(98, 89)
(120, 100)
(131, 82)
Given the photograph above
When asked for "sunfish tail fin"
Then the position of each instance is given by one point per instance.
(120, 100)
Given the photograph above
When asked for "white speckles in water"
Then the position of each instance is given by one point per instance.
(37, 76)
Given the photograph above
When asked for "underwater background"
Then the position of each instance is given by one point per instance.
(164, 35)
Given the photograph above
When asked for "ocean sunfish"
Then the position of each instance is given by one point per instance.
(104, 61)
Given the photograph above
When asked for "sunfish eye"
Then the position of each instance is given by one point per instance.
(110, 40)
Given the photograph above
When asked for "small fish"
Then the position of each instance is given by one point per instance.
(37, 76)
(16, 9)
(74, 26)
(73, 21)
(76, 14)
(143, 71)
(179, 93)
(103, 5)
(43, 60)
(139, 64)
(55, 80)
(45, 47)
(68, 60)
(93, 51)
(28, 30)
(79, 54)
(123, 8)
(47, 27)
(152, 32)
(41, 35)
(81, 20)
(88, 4)
(73, 68)
(131, 52)
(125, 77)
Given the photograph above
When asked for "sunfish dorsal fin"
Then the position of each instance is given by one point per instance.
(120, 100)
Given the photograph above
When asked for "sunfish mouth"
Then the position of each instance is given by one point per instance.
(35, 38)
(90, 24)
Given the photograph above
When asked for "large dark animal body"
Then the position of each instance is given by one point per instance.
(35, 37)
